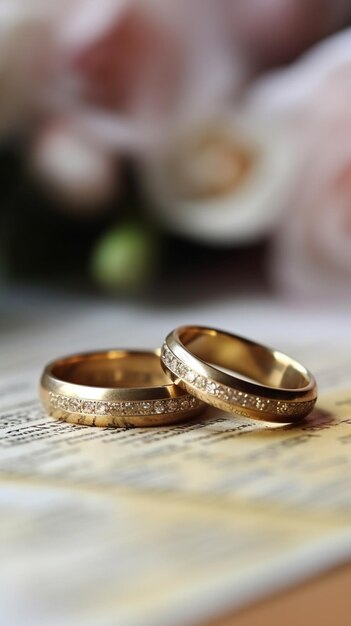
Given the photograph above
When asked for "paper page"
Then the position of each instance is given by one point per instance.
(138, 527)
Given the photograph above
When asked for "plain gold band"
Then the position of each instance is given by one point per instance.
(114, 388)
(210, 364)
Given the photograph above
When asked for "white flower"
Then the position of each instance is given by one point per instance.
(313, 245)
(225, 181)
(77, 171)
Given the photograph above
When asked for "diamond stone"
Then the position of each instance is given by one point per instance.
(244, 399)
(212, 388)
(174, 365)
(172, 406)
(223, 393)
(159, 407)
(63, 403)
(181, 369)
(146, 407)
(89, 407)
(74, 405)
(101, 408)
(190, 376)
(200, 382)
(184, 404)
(126, 408)
(166, 356)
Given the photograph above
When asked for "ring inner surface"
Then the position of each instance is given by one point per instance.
(112, 370)
(249, 360)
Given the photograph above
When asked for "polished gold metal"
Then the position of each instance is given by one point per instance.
(114, 388)
(238, 375)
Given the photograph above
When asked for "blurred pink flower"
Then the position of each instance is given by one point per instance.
(36, 46)
(159, 64)
(124, 73)
(313, 244)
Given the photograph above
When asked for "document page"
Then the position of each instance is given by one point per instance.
(166, 526)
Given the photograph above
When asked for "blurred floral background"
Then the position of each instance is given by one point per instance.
(180, 142)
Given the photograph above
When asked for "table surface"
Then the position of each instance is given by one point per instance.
(323, 601)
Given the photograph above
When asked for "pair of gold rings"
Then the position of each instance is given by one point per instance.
(196, 366)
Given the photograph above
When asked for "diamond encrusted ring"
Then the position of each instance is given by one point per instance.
(238, 375)
(114, 388)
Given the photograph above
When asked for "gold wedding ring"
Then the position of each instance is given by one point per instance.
(114, 388)
(238, 375)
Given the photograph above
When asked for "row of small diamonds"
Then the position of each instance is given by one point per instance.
(150, 407)
(227, 394)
